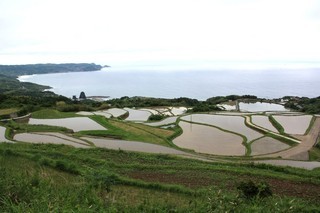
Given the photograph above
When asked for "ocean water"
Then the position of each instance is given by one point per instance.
(199, 84)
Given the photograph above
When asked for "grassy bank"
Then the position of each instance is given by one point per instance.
(45, 178)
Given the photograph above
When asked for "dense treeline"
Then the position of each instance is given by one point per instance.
(29, 69)
(221, 99)
(148, 102)
(304, 104)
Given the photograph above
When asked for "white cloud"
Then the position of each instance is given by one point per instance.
(145, 30)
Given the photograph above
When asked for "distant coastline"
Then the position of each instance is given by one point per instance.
(31, 69)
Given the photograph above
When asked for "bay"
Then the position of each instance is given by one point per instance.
(199, 84)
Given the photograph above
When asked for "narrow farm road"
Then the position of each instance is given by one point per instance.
(300, 152)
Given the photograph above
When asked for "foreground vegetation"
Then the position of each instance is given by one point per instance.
(41, 178)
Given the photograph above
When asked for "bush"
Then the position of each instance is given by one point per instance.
(156, 117)
(251, 190)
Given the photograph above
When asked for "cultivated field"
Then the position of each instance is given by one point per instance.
(209, 140)
(178, 110)
(264, 122)
(294, 124)
(230, 123)
(267, 145)
(76, 124)
(116, 112)
(137, 115)
(2, 134)
(260, 107)
(50, 138)
(133, 146)
(165, 121)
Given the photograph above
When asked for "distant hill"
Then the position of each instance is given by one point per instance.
(29, 69)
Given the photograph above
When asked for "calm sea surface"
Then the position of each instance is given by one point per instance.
(193, 84)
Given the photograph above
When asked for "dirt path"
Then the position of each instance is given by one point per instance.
(300, 152)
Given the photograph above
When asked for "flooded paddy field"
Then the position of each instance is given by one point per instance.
(294, 124)
(133, 146)
(154, 112)
(164, 111)
(165, 121)
(137, 115)
(264, 122)
(261, 107)
(53, 138)
(84, 113)
(227, 107)
(103, 113)
(230, 123)
(234, 113)
(2, 135)
(267, 145)
(76, 124)
(116, 112)
(209, 140)
(178, 110)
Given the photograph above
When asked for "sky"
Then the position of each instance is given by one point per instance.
(160, 32)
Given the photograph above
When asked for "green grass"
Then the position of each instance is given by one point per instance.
(130, 131)
(51, 114)
(41, 178)
(277, 125)
(314, 154)
(8, 111)
(310, 125)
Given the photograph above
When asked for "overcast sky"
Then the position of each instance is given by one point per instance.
(158, 32)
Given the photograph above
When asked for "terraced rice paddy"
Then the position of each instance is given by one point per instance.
(234, 113)
(227, 107)
(165, 121)
(137, 115)
(209, 140)
(178, 110)
(263, 121)
(133, 146)
(154, 112)
(164, 111)
(103, 113)
(294, 124)
(84, 113)
(76, 124)
(54, 138)
(116, 112)
(260, 107)
(267, 145)
(2, 135)
(230, 123)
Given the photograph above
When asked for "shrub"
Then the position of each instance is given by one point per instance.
(251, 190)
(156, 117)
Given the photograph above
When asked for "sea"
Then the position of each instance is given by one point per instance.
(195, 83)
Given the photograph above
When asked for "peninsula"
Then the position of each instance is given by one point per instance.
(30, 69)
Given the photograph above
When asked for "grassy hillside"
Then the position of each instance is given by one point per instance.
(41, 178)
(12, 85)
